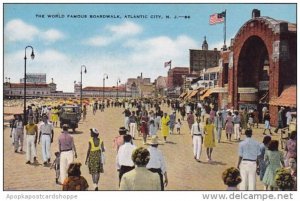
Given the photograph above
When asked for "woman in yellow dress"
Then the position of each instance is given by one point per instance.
(209, 140)
(54, 116)
(165, 129)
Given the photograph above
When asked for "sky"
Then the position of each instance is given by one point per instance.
(119, 47)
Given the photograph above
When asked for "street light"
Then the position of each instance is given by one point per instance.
(82, 66)
(118, 81)
(105, 76)
(125, 90)
(25, 59)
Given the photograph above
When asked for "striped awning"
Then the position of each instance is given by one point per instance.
(206, 94)
(183, 95)
(288, 97)
(194, 92)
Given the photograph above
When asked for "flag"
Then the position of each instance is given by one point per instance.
(217, 18)
(168, 63)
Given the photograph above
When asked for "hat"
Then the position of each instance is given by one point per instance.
(94, 130)
(154, 140)
(122, 129)
(65, 126)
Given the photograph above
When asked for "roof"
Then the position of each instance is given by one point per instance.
(192, 94)
(28, 85)
(101, 88)
(271, 22)
(287, 98)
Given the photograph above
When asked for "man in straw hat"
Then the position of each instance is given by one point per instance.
(140, 178)
(67, 151)
(157, 162)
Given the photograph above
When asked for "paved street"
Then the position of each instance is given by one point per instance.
(183, 171)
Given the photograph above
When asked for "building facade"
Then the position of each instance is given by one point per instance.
(260, 63)
(38, 78)
(203, 59)
(175, 76)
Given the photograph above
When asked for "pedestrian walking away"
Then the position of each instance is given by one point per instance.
(140, 178)
(56, 166)
(249, 151)
(157, 162)
(95, 157)
(165, 129)
(209, 138)
(274, 159)
(75, 182)
(229, 126)
(123, 160)
(119, 140)
(67, 149)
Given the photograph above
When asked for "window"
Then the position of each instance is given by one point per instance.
(206, 76)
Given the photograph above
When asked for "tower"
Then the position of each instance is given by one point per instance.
(204, 44)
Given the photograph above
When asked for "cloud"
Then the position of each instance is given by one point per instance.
(52, 35)
(116, 33)
(125, 29)
(17, 30)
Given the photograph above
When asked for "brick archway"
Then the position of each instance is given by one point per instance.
(264, 35)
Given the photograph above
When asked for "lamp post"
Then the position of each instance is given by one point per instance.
(82, 66)
(118, 81)
(25, 59)
(105, 76)
(125, 90)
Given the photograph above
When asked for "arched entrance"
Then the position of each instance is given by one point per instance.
(253, 74)
(261, 62)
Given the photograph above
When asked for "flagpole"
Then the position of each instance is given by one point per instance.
(170, 64)
(225, 29)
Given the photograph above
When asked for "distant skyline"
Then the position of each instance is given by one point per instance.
(121, 40)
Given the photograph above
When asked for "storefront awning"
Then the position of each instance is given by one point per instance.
(193, 93)
(202, 91)
(188, 94)
(206, 94)
(287, 98)
(183, 95)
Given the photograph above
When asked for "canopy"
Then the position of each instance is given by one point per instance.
(287, 98)
(206, 94)
(183, 95)
(193, 93)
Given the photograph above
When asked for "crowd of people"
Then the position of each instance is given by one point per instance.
(141, 168)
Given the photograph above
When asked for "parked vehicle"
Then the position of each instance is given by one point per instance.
(70, 115)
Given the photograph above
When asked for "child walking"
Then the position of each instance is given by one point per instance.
(56, 166)
(178, 126)
(152, 128)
